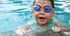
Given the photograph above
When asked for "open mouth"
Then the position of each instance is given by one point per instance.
(42, 19)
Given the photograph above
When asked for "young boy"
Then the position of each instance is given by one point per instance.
(43, 12)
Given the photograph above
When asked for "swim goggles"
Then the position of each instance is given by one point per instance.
(47, 9)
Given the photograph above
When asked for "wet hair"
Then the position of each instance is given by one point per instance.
(52, 3)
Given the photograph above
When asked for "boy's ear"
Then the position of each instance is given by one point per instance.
(32, 11)
(53, 11)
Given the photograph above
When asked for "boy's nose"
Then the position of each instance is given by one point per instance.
(42, 11)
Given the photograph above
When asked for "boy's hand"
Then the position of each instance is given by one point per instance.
(56, 29)
(23, 29)
(20, 31)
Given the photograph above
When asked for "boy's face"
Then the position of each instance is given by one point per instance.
(38, 10)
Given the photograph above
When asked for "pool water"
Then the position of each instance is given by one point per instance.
(14, 13)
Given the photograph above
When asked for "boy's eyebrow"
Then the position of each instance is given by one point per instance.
(37, 4)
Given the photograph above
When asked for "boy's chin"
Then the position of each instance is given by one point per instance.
(42, 23)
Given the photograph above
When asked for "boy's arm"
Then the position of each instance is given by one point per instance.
(63, 27)
(23, 29)
(58, 27)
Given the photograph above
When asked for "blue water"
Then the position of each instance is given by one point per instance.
(14, 13)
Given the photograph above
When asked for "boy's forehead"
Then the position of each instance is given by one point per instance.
(43, 2)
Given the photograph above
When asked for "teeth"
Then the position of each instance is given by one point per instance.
(41, 16)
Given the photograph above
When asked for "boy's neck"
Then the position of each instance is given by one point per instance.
(43, 24)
